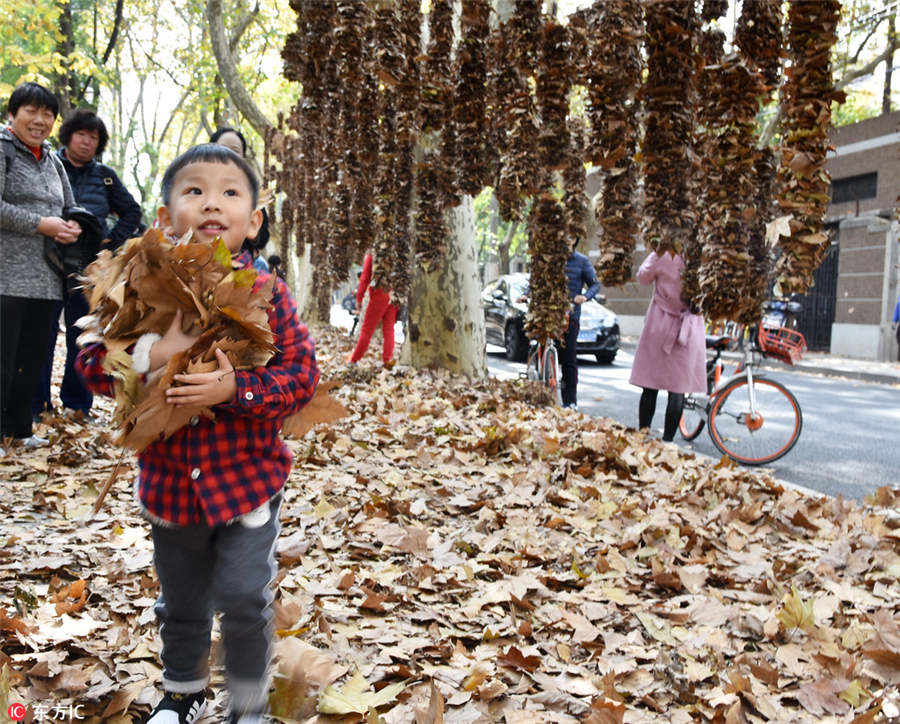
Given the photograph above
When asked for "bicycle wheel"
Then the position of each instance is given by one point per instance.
(758, 438)
(693, 417)
(551, 373)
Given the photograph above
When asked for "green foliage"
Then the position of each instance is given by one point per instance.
(858, 107)
(488, 239)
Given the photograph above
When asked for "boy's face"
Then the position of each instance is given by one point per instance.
(213, 199)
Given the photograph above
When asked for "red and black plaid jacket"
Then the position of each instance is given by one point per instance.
(216, 470)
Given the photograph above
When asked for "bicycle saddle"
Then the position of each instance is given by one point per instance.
(718, 341)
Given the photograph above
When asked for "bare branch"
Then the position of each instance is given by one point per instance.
(240, 27)
(229, 72)
(864, 70)
(114, 36)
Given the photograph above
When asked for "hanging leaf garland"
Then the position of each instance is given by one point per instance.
(515, 127)
(549, 248)
(525, 35)
(711, 48)
(728, 106)
(613, 82)
(548, 244)
(713, 9)
(435, 107)
(553, 78)
(759, 36)
(363, 218)
(436, 89)
(469, 99)
(573, 182)
(346, 52)
(390, 59)
(804, 183)
(669, 97)
(430, 229)
(407, 135)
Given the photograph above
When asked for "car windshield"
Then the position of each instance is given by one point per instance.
(518, 288)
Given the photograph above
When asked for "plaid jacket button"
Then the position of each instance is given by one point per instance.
(195, 473)
(248, 395)
(194, 420)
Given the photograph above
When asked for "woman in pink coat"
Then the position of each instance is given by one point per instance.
(671, 353)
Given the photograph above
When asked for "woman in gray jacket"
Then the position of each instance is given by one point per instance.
(34, 195)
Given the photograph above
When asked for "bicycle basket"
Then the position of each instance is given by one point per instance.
(782, 343)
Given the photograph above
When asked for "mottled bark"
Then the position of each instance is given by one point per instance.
(446, 324)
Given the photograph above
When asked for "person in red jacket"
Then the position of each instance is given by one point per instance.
(379, 311)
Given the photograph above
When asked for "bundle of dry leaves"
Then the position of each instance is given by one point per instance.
(451, 553)
(138, 290)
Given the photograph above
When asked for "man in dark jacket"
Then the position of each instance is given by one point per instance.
(579, 274)
(97, 188)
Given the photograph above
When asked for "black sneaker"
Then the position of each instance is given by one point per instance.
(179, 709)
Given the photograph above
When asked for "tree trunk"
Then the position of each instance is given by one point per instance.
(446, 323)
(65, 46)
(503, 247)
(299, 270)
(228, 70)
(889, 65)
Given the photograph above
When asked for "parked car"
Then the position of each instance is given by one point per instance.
(505, 304)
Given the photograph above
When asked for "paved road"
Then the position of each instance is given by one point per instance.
(850, 443)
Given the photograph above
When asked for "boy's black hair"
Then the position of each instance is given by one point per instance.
(84, 120)
(207, 153)
(32, 94)
(221, 131)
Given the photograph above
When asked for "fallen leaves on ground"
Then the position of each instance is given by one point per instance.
(451, 553)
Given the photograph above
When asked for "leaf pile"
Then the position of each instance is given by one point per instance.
(803, 181)
(669, 96)
(452, 553)
(613, 83)
(138, 291)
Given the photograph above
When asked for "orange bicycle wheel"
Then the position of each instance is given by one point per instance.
(693, 417)
(757, 436)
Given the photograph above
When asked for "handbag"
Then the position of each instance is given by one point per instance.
(68, 259)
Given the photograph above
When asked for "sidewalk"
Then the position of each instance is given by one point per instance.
(822, 363)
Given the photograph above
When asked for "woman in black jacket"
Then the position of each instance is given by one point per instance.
(97, 188)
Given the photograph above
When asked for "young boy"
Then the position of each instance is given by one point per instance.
(212, 491)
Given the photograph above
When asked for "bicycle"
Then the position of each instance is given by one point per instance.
(543, 365)
(751, 418)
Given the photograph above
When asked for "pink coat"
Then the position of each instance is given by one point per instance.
(671, 353)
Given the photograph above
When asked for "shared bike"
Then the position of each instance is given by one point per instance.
(543, 365)
(751, 418)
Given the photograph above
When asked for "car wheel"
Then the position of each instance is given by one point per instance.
(515, 343)
(606, 358)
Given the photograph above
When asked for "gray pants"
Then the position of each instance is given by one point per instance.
(228, 568)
